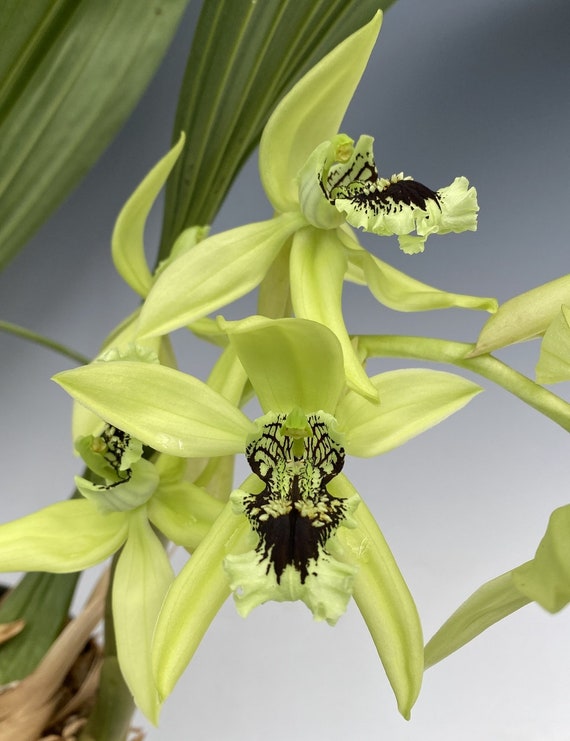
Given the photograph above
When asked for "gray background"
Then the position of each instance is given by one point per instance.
(473, 88)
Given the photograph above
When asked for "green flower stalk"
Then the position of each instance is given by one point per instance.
(296, 528)
(319, 183)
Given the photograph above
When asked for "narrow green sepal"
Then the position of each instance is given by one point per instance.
(64, 537)
(193, 600)
(127, 243)
(141, 579)
(311, 113)
(384, 600)
(492, 602)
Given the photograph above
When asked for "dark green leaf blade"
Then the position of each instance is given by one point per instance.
(42, 601)
(245, 56)
(71, 71)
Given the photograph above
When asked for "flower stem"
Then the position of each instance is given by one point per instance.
(455, 353)
(39, 339)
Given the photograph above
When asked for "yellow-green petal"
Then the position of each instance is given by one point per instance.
(525, 316)
(490, 603)
(64, 537)
(554, 362)
(193, 600)
(141, 579)
(384, 600)
(546, 579)
(412, 401)
(214, 273)
(285, 360)
(318, 266)
(399, 290)
(172, 412)
(183, 512)
(312, 113)
(127, 244)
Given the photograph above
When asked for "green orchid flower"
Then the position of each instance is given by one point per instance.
(118, 514)
(296, 529)
(319, 183)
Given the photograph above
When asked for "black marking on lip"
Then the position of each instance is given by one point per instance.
(294, 515)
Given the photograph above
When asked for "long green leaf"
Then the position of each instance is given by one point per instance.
(71, 71)
(244, 58)
(42, 601)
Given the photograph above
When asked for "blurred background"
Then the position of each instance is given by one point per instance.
(477, 89)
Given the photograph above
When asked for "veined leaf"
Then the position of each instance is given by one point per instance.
(71, 71)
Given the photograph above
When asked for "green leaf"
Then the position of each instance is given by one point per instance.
(492, 602)
(224, 105)
(42, 601)
(70, 73)
(411, 401)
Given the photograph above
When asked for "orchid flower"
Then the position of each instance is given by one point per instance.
(123, 500)
(296, 529)
(319, 183)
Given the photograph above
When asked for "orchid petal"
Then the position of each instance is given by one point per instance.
(318, 265)
(84, 422)
(546, 579)
(193, 600)
(127, 244)
(384, 600)
(290, 362)
(183, 512)
(524, 317)
(554, 362)
(412, 401)
(311, 113)
(400, 291)
(214, 273)
(486, 606)
(64, 537)
(141, 579)
(172, 412)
